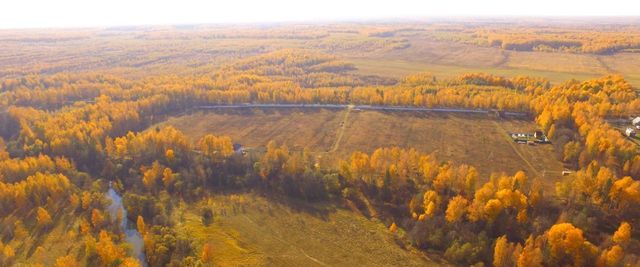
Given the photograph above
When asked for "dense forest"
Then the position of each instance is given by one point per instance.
(67, 137)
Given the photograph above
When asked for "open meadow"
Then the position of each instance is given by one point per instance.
(251, 230)
(447, 60)
(477, 140)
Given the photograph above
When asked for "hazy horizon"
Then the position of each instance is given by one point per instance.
(83, 14)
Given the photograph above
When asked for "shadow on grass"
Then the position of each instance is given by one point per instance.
(320, 209)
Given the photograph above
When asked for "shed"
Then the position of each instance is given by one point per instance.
(630, 132)
(636, 121)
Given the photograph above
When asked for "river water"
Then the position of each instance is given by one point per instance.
(132, 236)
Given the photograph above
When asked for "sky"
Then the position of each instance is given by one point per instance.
(91, 13)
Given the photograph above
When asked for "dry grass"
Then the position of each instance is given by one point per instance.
(44, 248)
(249, 230)
(627, 64)
(315, 128)
(446, 60)
(427, 51)
(401, 68)
(556, 62)
(471, 139)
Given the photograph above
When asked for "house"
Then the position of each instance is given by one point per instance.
(630, 132)
(636, 121)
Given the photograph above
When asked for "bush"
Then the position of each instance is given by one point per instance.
(207, 216)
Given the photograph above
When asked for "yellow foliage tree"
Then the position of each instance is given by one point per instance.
(456, 208)
(141, 226)
(130, 262)
(8, 252)
(66, 261)
(611, 257)
(531, 255)
(170, 155)
(86, 200)
(567, 243)
(393, 228)
(623, 234)
(151, 175)
(431, 202)
(493, 208)
(97, 219)
(503, 253)
(167, 177)
(207, 253)
(43, 217)
(3, 150)
(107, 250)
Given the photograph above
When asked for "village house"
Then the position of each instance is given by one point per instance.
(630, 132)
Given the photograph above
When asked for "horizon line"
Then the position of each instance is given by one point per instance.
(630, 19)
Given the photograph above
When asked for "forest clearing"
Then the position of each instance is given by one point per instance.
(464, 139)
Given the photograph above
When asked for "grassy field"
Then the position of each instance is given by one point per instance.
(446, 60)
(298, 129)
(249, 230)
(45, 247)
(471, 139)
(400, 68)
(155, 51)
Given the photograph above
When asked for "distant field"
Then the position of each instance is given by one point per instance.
(137, 55)
(401, 68)
(249, 230)
(626, 63)
(446, 60)
(472, 139)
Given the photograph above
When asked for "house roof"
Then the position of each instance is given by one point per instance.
(636, 120)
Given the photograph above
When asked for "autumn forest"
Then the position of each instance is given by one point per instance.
(92, 173)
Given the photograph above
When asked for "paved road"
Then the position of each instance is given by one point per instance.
(359, 107)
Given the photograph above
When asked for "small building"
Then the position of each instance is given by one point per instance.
(630, 132)
(538, 134)
(636, 121)
(239, 149)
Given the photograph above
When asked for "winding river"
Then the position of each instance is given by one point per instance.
(132, 236)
